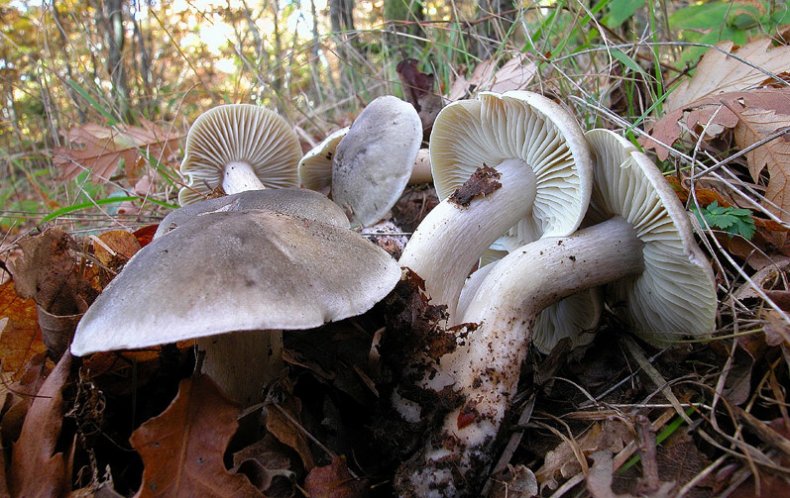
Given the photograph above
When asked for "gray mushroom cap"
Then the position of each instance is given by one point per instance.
(291, 201)
(236, 271)
(675, 295)
(238, 135)
(374, 161)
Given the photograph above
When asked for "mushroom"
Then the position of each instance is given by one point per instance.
(315, 168)
(373, 162)
(291, 201)
(642, 249)
(238, 147)
(541, 177)
(232, 279)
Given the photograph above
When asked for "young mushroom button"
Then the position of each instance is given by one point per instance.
(243, 273)
(238, 147)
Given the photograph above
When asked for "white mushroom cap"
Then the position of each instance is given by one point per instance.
(231, 145)
(236, 271)
(675, 295)
(524, 126)
(315, 168)
(291, 201)
(374, 161)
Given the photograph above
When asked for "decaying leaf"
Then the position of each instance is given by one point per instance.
(563, 461)
(20, 335)
(600, 477)
(183, 447)
(719, 72)
(754, 125)
(36, 470)
(335, 481)
(103, 148)
(47, 270)
(262, 462)
(418, 89)
(514, 482)
(282, 421)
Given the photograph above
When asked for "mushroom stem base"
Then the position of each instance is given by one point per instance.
(485, 368)
(243, 363)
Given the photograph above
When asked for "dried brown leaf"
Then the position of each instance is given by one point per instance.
(281, 422)
(718, 72)
(20, 335)
(183, 447)
(335, 481)
(563, 461)
(36, 470)
(754, 125)
(103, 148)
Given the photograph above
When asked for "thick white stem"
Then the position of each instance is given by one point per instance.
(243, 363)
(485, 370)
(448, 242)
(240, 176)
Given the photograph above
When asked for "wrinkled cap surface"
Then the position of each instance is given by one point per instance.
(520, 125)
(675, 296)
(374, 161)
(290, 201)
(238, 133)
(315, 168)
(236, 271)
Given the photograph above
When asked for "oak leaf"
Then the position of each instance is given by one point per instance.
(101, 149)
(36, 470)
(754, 125)
(721, 70)
(20, 335)
(334, 481)
(183, 447)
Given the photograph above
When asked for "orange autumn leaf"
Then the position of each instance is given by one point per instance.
(20, 335)
(183, 447)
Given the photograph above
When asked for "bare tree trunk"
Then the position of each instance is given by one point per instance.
(144, 67)
(67, 62)
(278, 49)
(112, 25)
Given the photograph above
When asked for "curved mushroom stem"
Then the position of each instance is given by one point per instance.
(243, 363)
(240, 176)
(486, 368)
(468, 231)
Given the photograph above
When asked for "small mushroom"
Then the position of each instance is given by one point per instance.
(238, 147)
(542, 178)
(315, 168)
(373, 162)
(232, 280)
(642, 249)
(291, 201)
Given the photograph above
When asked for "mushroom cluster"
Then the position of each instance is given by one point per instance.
(557, 222)
(234, 271)
(638, 247)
